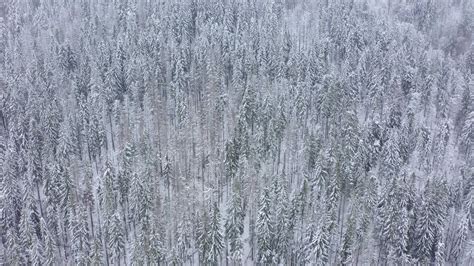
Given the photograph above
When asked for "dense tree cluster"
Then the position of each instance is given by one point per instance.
(236, 132)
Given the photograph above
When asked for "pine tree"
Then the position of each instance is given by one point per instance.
(116, 240)
(96, 255)
(202, 237)
(157, 250)
(467, 134)
(137, 255)
(395, 231)
(265, 233)
(459, 240)
(215, 240)
(439, 257)
(107, 193)
(27, 226)
(37, 257)
(232, 154)
(80, 237)
(318, 240)
(234, 226)
(248, 108)
(285, 219)
(125, 176)
(391, 152)
(10, 188)
(49, 245)
(65, 145)
(13, 248)
(119, 79)
(348, 241)
(313, 151)
(183, 238)
(430, 221)
(96, 136)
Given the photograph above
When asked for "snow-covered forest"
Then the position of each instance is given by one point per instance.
(236, 132)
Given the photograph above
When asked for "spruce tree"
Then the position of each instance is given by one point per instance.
(234, 225)
(215, 239)
(49, 245)
(265, 229)
(116, 239)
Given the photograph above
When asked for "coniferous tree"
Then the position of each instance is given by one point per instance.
(96, 255)
(116, 237)
(28, 228)
(234, 225)
(348, 241)
(80, 237)
(202, 237)
(265, 230)
(37, 256)
(215, 239)
(48, 244)
(459, 240)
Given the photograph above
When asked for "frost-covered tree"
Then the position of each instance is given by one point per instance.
(237, 132)
(234, 225)
(265, 230)
(116, 239)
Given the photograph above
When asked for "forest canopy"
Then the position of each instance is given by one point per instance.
(236, 132)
